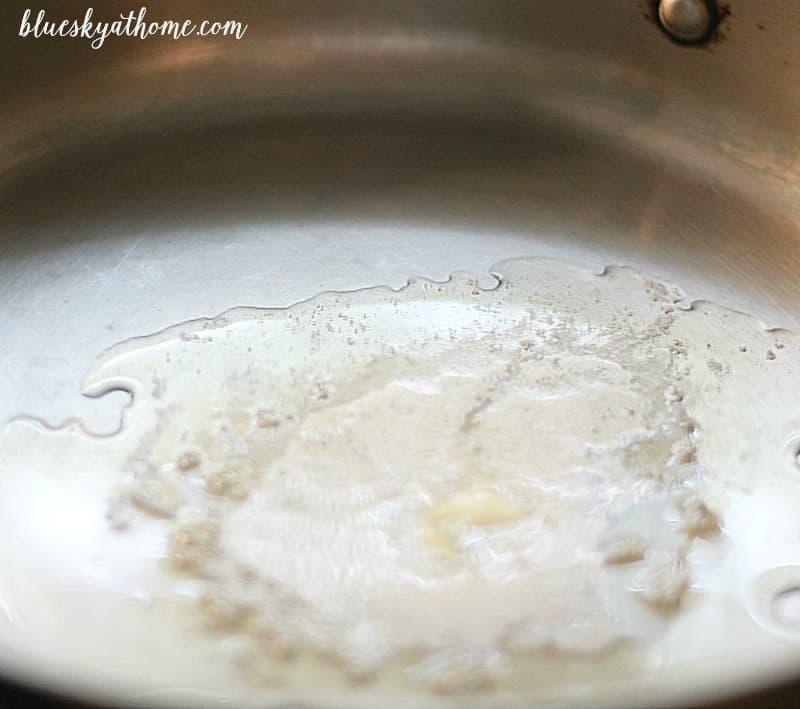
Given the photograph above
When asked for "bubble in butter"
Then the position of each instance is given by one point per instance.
(555, 487)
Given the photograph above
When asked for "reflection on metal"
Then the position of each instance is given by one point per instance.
(347, 144)
(687, 20)
(786, 608)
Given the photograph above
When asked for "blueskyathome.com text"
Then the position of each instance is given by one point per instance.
(36, 24)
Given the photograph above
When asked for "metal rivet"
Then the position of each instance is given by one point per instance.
(686, 20)
(773, 600)
(786, 608)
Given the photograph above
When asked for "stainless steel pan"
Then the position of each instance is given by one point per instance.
(346, 144)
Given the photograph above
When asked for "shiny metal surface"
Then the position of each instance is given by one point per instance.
(686, 20)
(345, 144)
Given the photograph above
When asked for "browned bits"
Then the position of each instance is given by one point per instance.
(279, 648)
(698, 519)
(188, 461)
(154, 498)
(217, 484)
(268, 418)
(226, 484)
(683, 451)
(192, 546)
(223, 613)
(664, 581)
(624, 549)
(320, 389)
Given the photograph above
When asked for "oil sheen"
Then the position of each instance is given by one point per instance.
(549, 487)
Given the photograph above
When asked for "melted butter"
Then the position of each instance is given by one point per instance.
(481, 507)
(443, 489)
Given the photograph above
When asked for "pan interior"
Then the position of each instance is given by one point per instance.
(227, 196)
